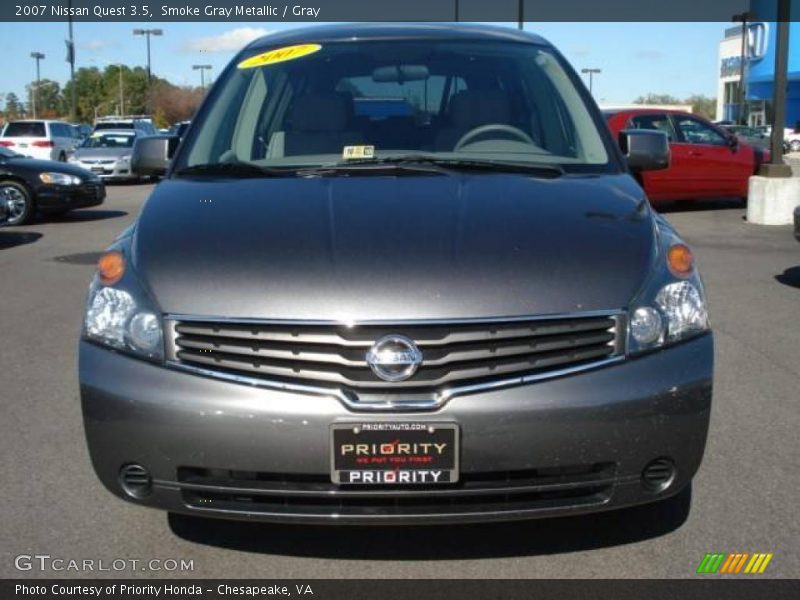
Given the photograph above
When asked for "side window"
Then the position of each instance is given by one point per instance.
(697, 132)
(659, 122)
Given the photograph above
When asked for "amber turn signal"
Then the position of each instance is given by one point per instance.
(110, 268)
(680, 260)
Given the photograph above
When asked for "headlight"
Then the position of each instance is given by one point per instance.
(684, 309)
(59, 179)
(669, 310)
(125, 158)
(120, 316)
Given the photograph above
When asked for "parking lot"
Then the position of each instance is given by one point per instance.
(744, 498)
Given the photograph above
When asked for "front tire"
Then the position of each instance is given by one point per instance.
(19, 199)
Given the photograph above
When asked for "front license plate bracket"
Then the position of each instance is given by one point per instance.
(395, 454)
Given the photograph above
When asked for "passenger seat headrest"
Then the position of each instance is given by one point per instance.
(322, 112)
(471, 108)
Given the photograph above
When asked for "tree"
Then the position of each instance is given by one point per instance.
(703, 105)
(48, 99)
(172, 103)
(14, 108)
(657, 99)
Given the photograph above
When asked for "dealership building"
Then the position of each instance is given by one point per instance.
(759, 68)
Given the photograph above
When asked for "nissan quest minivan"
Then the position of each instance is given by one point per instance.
(397, 274)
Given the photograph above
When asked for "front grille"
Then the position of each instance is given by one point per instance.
(454, 354)
(302, 494)
(92, 190)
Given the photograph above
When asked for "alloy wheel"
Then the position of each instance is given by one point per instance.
(16, 201)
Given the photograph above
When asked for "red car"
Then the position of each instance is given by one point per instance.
(707, 161)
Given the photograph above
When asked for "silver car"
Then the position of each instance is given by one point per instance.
(107, 153)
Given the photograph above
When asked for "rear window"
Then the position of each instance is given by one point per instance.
(114, 125)
(25, 129)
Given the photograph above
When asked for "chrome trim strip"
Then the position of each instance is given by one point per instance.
(438, 400)
(341, 323)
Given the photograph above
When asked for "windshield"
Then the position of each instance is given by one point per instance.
(109, 140)
(313, 105)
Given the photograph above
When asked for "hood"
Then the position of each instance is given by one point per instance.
(51, 166)
(93, 153)
(390, 248)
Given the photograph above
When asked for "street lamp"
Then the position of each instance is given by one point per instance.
(37, 56)
(147, 33)
(202, 69)
(591, 73)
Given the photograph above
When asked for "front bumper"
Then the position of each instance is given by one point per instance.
(56, 198)
(116, 171)
(562, 446)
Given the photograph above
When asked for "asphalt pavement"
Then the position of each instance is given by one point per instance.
(744, 499)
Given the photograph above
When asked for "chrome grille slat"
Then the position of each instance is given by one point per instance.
(356, 357)
(365, 336)
(333, 355)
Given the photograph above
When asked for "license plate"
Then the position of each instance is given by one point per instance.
(98, 170)
(394, 454)
(22, 145)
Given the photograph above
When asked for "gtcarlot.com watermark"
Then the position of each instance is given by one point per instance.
(46, 562)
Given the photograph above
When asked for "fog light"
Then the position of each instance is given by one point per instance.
(658, 475)
(135, 481)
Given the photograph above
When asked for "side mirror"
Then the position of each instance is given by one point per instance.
(645, 149)
(733, 141)
(151, 154)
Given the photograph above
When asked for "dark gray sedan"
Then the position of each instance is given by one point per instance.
(397, 274)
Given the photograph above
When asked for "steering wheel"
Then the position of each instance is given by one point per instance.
(477, 131)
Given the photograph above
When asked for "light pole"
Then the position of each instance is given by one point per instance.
(521, 10)
(37, 56)
(71, 61)
(202, 69)
(776, 167)
(741, 18)
(147, 33)
(591, 73)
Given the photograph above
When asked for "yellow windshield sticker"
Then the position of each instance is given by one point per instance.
(351, 152)
(279, 55)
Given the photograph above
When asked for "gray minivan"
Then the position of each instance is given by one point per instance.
(397, 274)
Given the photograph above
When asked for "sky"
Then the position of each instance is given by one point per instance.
(636, 58)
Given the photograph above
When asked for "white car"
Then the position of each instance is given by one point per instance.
(42, 139)
(792, 139)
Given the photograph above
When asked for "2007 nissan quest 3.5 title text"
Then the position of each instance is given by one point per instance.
(397, 274)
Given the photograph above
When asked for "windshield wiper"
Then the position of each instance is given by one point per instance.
(427, 163)
(235, 169)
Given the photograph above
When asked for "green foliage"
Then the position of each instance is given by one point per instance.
(702, 106)
(14, 109)
(48, 98)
